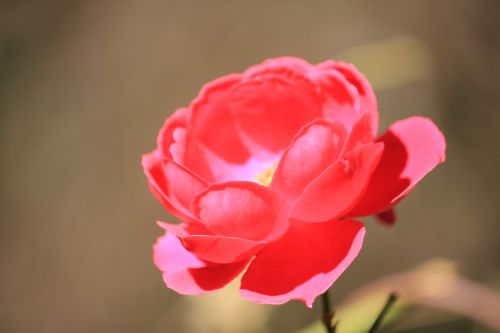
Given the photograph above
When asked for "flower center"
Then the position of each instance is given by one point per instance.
(266, 176)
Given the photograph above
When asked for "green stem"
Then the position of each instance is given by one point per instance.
(327, 313)
(388, 305)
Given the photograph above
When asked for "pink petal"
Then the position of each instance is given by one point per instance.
(339, 187)
(304, 263)
(272, 102)
(413, 147)
(173, 185)
(185, 273)
(314, 148)
(243, 210)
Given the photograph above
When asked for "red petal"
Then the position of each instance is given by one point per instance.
(153, 170)
(366, 96)
(173, 146)
(218, 149)
(183, 185)
(360, 133)
(184, 229)
(243, 210)
(220, 249)
(280, 64)
(314, 148)
(210, 114)
(217, 249)
(273, 101)
(413, 147)
(173, 185)
(304, 263)
(185, 273)
(339, 187)
(342, 100)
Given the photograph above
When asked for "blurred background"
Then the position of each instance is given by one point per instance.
(86, 84)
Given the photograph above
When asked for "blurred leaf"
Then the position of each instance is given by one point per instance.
(435, 283)
(359, 315)
(392, 62)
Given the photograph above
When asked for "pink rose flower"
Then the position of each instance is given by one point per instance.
(268, 170)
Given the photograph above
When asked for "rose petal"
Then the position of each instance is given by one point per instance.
(210, 114)
(184, 229)
(183, 185)
(413, 147)
(185, 273)
(170, 146)
(220, 249)
(360, 133)
(339, 187)
(173, 185)
(242, 209)
(366, 96)
(341, 97)
(304, 263)
(280, 64)
(272, 103)
(157, 182)
(217, 249)
(314, 148)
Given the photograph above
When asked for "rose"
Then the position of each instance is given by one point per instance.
(269, 168)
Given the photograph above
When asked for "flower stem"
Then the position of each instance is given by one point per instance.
(327, 315)
(385, 310)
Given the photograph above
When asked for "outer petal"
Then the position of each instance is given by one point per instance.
(304, 263)
(272, 102)
(276, 65)
(360, 133)
(217, 249)
(314, 148)
(172, 137)
(210, 114)
(185, 273)
(242, 209)
(220, 249)
(176, 142)
(157, 182)
(368, 101)
(339, 187)
(342, 100)
(413, 147)
(173, 185)
(184, 229)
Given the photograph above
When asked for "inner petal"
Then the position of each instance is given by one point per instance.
(253, 169)
(242, 209)
(269, 109)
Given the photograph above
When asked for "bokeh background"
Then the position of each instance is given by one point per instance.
(86, 84)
